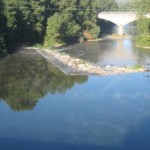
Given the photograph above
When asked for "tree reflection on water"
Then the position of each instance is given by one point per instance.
(26, 77)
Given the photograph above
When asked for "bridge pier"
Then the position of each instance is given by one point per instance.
(120, 30)
(120, 18)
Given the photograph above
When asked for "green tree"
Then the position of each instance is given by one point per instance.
(3, 50)
(78, 20)
(86, 17)
(143, 6)
(61, 28)
(143, 24)
(52, 33)
(27, 21)
(69, 30)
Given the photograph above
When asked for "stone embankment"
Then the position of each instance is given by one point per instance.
(75, 66)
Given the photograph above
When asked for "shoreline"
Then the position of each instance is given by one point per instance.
(76, 66)
(115, 36)
(144, 47)
(95, 40)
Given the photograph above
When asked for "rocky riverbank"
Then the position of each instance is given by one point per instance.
(116, 36)
(77, 66)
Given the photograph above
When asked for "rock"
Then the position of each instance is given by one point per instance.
(80, 65)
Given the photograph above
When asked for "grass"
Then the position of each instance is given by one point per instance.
(143, 40)
(135, 67)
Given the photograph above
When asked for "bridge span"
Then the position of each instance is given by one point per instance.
(121, 18)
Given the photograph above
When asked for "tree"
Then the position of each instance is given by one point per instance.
(61, 28)
(143, 24)
(27, 21)
(52, 31)
(143, 6)
(75, 20)
(3, 50)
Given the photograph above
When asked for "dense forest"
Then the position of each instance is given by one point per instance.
(48, 22)
(52, 22)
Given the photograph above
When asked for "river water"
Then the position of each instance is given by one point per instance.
(116, 52)
(42, 108)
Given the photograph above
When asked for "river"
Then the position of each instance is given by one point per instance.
(115, 52)
(42, 108)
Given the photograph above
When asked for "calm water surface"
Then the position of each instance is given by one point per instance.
(41, 108)
(110, 52)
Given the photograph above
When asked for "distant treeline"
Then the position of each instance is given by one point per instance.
(48, 22)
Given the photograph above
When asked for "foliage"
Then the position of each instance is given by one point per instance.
(52, 33)
(143, 6)
(69, 29)
(143, 40)
(143, 24)
(103, 5)
(135, 67)
(76, 18)
(26, 21)
(61, 28)
(3, 51)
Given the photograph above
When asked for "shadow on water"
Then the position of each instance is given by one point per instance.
(17, 144)
(138, 138)
(26, 77)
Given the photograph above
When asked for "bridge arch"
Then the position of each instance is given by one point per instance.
(106, 20)
(106, 27)
(120, 18)
(120, 27)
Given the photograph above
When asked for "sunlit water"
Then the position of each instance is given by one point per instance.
(119, 52)
(43, 109)
(116, 52)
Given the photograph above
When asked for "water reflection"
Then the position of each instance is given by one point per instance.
(108, 113)
(26, 76)
(143, 55)
(118, 52)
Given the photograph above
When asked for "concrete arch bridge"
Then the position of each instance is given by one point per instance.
(120, 18)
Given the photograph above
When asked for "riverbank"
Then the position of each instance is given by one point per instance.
(76, 66)
(116, 36)
(95, 40)
(145, 47)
